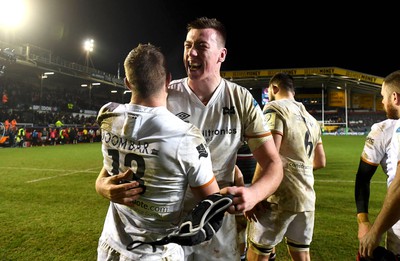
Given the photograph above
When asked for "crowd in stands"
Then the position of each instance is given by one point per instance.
(358, 121)
(68, 103)
(25, 126)
(72, 107)
(31, 136)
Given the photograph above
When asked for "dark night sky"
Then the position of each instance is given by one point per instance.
(261, 35)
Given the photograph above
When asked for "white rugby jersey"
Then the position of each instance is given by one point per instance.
(377, 150)
(395, 144)
(231, 115)
(301, 133)
(164, 152)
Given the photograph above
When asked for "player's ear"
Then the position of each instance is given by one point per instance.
(275, 89)
(396, 98)
(127, 83)
(168, 79)
(222, 55)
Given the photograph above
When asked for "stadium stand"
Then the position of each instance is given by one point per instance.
(338, 98)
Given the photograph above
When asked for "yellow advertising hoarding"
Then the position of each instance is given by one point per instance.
(362, 101)
(336, 98)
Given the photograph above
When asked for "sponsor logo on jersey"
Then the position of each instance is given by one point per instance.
(227, 110)
(182, 115)
(202, 151)
(150, 208)
(116, 141)
(298, 165)
(208, 133)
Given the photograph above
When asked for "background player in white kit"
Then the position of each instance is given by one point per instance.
(161, 151)
(289, 212)
(227, 114)
(376, 152)
(390, 212)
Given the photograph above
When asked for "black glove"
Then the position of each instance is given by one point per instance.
(380, 254)
(203, 221)
(198, 226)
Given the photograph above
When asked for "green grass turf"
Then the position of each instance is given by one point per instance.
(49, 209)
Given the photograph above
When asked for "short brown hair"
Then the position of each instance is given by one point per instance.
(205, 23)
(146, 69)
(283, 81)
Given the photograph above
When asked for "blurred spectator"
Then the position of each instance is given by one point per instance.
(45, 136)
(63, 136)
(5, 98)
(7, 125)
(21, 137)
(59, 124)
(53, 136)
(85, 134)
(35, 137)
(73, 132)
(14, 125)
(91, 135)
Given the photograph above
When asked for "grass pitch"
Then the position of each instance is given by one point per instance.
(49, 209)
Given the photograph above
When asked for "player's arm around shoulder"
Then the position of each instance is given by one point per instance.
(202, 192)
(115, 189)
(269, 171)
(267, 178)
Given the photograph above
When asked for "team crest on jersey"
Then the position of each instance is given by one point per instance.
(133, 116)
(369, 141)
(227, 110)
(202, 151)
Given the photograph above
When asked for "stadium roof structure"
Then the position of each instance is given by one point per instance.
(32, 61)
(28, 63)
(319, 77)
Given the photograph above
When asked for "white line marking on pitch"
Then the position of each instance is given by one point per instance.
(93, 170)
(57, 176)
(343, 181)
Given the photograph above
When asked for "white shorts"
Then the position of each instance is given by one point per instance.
(172, 252)
(223, 246)
(393, 238)
(273, 225)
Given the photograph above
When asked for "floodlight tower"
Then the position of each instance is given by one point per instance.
(88, 47)
(43, 76)
(13, 16)
(90, 86)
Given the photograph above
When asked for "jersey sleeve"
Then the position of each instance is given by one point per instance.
(255, 124)
(275, 122)
(374, 150)
(395, 143)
